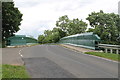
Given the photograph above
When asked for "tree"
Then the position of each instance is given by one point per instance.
(41, 38)
(11, 18)
(63, 23)
(77, 26)
(48, 39)
(59, 31)
(56, 37)
(65, 27)
(51, 36)
(90, 30)
(71, 27)
(47, 32)
(106, 25)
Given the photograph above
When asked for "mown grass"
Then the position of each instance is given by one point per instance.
(10, 71)
(0, 71)
(105, 55)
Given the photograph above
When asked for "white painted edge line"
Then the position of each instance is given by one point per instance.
(20, 52)
(92, 55)
(22, 55)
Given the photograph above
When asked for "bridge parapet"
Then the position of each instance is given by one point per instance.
(110, 47)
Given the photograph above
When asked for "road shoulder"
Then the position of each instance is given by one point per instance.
(11, 56)
(79, 49)
(84, 50)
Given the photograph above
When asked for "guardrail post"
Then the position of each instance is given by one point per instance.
(111, 47)
(111, 50)
(106, 50)
(117, 51)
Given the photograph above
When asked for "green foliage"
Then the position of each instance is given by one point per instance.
(90, 30)
(105, 55)
(9, 71)
(11, 18)
(0, 71)
(47, 32)
(63, 23)
(71, 27)
(59, 32)
(76, 26)
(51, 36)
(41, 38)
(106, 25)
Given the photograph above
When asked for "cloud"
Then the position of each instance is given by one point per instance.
(40, 15)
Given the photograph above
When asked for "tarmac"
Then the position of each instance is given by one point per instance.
(11, 56)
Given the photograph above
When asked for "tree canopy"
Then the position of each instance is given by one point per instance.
(71, 27)
(106, 25)
(77, 26)
(64, 27)
(51, 36)
(11, 18)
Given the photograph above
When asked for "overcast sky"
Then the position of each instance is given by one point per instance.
(40, 15)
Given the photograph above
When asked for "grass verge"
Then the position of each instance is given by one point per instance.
(0, 71)
(105, 55)
(10, 71)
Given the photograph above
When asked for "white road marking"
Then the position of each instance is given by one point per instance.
(21, 55)
(20, 52)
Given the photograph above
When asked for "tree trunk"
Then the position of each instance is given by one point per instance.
(3, 44)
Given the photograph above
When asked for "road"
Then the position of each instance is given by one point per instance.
(11, 56)
(54, 61)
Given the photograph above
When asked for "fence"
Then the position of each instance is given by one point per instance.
(20, 40)
(86, 40)
(111, 48)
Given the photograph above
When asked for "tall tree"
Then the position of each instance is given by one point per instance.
(71, 27)
(77, 26)
(47, 32)
(106, 25)
(51, 36)
(63, 23)
(11, 18)
(59, 31)
(41, 38)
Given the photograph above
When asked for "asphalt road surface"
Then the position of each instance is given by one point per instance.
(53, 61)
(11, 56)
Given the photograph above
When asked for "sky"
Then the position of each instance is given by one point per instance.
(40, 15)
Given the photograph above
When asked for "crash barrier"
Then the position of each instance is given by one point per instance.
(20, 40)
(110, 48)
(86, 40)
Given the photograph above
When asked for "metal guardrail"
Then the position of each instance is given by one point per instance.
(110, 47)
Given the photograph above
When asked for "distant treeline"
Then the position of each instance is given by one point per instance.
(105, 25)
